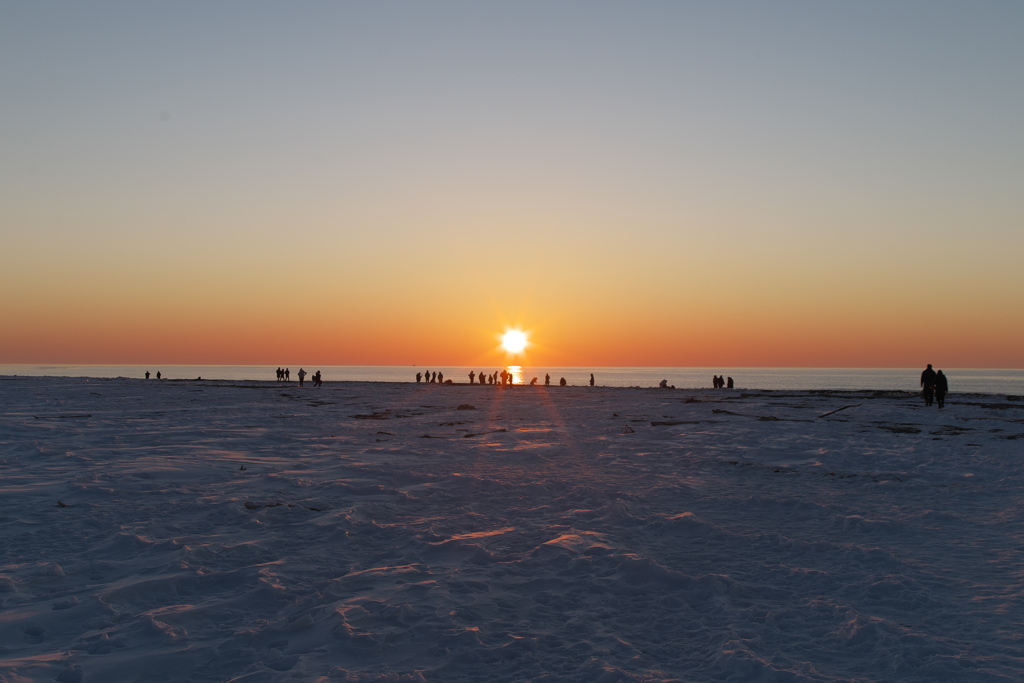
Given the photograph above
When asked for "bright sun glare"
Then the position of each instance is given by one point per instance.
(513, 341)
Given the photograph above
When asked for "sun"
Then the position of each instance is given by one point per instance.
(513, 341)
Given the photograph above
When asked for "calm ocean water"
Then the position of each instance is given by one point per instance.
(903, 379)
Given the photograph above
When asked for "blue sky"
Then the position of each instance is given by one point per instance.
(158, 153)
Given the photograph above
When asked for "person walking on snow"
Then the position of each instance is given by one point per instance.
(941, 388)
(928, 384)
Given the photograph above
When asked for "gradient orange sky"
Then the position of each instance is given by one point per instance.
(664, 184)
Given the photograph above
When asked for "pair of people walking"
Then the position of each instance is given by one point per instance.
(934, 386)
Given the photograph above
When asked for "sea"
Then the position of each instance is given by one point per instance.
(973, 380)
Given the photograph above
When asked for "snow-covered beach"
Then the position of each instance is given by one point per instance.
(249, 531)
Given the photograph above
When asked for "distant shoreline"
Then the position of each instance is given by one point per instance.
(709, 393)
(985, 381)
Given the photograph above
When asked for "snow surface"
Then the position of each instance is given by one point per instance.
(251, 531)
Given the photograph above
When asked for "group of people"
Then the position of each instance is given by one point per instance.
(157, 374)
(718, 382)
(284, 375)
(934, 386)
(501, 378)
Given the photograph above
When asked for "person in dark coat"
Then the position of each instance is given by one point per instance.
(941, 388)
(928, 384)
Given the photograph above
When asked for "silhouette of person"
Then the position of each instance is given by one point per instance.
(302, 376)
(504, 378)
(147, 374)
(928, 384)
(663, 384)
(419, 376)
(317, 380)
(591, 379)
(533, 382)
(547, 379)
(287, 374)
(562, 382)
(440, 378)
(158, 374)
(941, 388)
(728, 383)
(471, 376)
